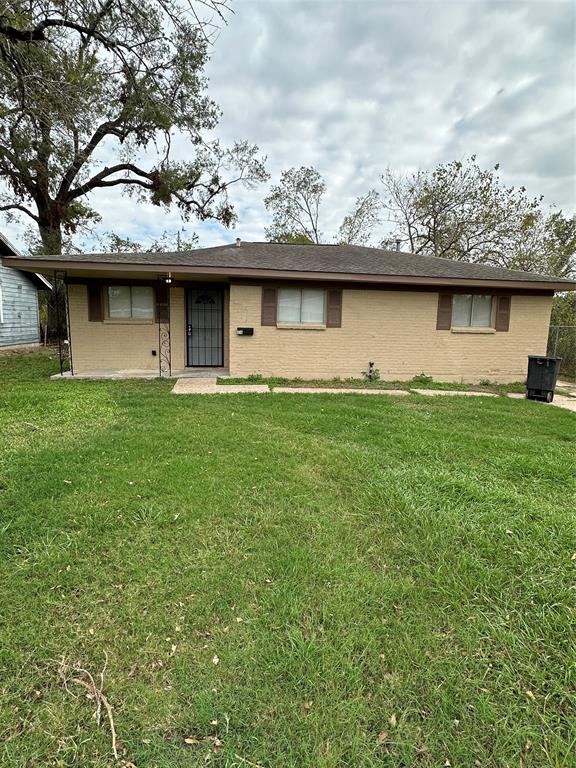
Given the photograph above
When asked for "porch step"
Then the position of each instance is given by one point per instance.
(200, 373)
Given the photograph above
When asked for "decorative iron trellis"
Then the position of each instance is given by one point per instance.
(163, 316)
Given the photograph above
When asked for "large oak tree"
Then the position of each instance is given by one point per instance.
(90, 90)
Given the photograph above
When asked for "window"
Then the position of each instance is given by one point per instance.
(130, 302)
(301, 305)
(471, 311)
(1, 306)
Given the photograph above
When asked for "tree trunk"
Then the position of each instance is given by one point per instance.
(51, 236)
(50, 228)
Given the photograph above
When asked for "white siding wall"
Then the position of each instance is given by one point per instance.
(20, 322)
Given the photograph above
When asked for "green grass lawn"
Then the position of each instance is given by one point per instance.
(381, 581)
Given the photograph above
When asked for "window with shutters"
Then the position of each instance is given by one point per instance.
(301, 306)
(130, 302)
(472, 311)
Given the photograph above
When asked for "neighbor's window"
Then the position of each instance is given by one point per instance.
(130, 302)
(471, 311)
(301, 305)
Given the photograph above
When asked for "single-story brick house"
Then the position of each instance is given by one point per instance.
(314, 311)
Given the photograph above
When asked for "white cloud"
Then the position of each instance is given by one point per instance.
(352, 87)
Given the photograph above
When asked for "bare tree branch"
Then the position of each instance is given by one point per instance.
(20, 208)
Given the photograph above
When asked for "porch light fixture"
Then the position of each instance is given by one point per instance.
(168, 278)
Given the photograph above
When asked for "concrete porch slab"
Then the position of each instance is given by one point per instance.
(196, 374)
(453, 392)
(96, 374)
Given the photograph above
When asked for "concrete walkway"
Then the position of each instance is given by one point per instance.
(340, 391)
(562, 401)
(568, 387)
(463, 392)
(208, 386)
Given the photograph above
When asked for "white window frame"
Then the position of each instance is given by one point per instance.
(474, 296)
(1, 306)
(300, 321)
(130, 319)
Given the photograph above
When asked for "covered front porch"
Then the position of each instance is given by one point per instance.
(135, 328)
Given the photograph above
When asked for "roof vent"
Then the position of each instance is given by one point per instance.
(397, 244)
(238, 242)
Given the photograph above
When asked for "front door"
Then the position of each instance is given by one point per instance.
(205, 326)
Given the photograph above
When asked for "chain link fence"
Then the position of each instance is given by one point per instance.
(562, 343)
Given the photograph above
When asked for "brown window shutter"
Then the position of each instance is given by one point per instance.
(162, 304)
(444, 316)
(334, 308)
(95, 303)
(268, 306)
(503, 313)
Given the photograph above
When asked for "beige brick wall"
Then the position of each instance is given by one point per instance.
(395, 329)
(117, 346)
(108, 346)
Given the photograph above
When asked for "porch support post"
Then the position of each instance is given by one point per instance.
(69, 326)
(164, 337)
(62, 317)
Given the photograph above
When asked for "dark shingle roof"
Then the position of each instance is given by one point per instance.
(343, 259)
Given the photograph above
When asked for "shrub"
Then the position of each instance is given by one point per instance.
(422, 378)
(371, 373)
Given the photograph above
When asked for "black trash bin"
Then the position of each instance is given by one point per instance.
(542, 375)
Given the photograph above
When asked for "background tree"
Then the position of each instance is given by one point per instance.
(82, 81)
(559, 244)
(295, 204)
(564, 311)
(460, 211)
(358, 226)
(167, 242)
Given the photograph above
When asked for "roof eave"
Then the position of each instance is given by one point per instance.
(85, 268)
(40, 281)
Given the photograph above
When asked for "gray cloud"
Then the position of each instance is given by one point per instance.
(352, 87)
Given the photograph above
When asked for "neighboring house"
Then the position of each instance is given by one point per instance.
(301, 310)
(19, 320)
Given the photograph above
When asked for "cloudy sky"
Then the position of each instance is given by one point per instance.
(352, 87)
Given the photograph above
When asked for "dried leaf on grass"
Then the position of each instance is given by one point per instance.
(216, 745)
